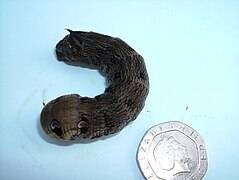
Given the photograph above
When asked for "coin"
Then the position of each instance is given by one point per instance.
(174, 151)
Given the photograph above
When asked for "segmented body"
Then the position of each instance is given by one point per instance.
(71, 116)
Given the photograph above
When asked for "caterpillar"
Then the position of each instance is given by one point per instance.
(70, 117)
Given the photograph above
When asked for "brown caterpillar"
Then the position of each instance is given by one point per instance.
(71, 116)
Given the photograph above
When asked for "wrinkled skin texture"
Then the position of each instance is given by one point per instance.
(72, 116)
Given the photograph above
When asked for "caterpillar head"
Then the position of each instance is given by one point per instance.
(66, 118)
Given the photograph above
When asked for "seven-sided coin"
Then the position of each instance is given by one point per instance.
(172, 151)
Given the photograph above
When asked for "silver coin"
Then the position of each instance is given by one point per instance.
(174, 151)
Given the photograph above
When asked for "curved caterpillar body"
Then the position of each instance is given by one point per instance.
(71, 116)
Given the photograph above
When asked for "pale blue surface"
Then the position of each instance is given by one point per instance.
(191, 49)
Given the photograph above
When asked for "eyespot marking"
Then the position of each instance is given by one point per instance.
(56, 128)
(83, 126)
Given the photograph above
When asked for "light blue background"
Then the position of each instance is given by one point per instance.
(190, 47)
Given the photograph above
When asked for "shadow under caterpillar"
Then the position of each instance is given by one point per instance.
(71, 116)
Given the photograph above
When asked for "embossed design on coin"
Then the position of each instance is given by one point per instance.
(174, 151)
